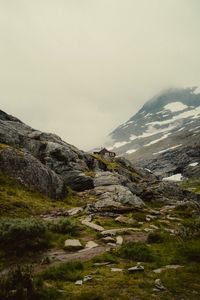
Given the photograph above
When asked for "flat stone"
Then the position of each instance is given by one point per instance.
(91, 245)
(79, 282)
(73, 244)
(92, 225)
(125, 220)
(108, 239)
(101, 264)
(119, 240)
(87, 278)
(148, 229)
(135, 269)
(154, 227)
(116, 270)
(167, 267)
(75, 211)
(113, 232)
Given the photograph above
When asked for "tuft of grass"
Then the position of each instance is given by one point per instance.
(69, 271)
(64, 225)
(157, 237)
(136, 252)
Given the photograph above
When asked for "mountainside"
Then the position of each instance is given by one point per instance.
(75, 225)
(164, 136)
(49, 165)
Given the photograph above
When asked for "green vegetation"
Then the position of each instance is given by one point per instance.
(110, 164)
(157, 237)
(70, 271)
(64, 225)
(136, 251)
(192, 185)
(19, 234)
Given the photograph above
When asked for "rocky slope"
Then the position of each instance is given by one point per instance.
(47, 164)
(164, 136)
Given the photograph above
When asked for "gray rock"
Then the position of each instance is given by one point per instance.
(136, 269)
(113, 194)
(72, 244)
(91, 245)
(29, 171)
(92, 225)
(106, 178)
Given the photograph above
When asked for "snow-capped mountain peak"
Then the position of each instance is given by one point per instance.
(166, 121)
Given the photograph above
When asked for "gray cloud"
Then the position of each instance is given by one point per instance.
(81, 67)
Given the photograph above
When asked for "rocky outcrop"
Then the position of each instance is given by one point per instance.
(29, 171)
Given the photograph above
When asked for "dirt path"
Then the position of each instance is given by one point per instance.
(60, 256)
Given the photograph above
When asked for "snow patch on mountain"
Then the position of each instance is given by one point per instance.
(158, 140)
(131, 151)
(168, 149)
(193, 164)
(175, 177)
(196, 91)
(175, 106)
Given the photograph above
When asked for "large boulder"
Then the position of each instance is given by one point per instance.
(29, 171)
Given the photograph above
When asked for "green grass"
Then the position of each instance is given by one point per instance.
(17, 200)
(70, 271)
(110, 164)
(192, 185)
(138, 252)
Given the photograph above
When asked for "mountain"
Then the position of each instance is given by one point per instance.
(164, 136)
(61, 207)
(44, 162)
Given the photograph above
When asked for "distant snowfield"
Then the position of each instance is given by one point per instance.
(197, 91)
(193, 164)
(193, 113)
(168, 149)
(131, 151)
(175, 106)
(156, 141)
(175, 177)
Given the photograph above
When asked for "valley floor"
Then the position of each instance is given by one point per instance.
(149, 253)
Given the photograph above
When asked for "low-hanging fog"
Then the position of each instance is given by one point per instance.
(79, 68)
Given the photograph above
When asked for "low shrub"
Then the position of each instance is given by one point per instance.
(17, 284)
(136, 252)
(157, 237)
(190, 229)
(21, 234)
(69, 271)
(64, 225)
(189, 251)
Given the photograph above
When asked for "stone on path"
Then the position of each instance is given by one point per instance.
(75, 211)
(71, 244)
(167, 267)
(116, 270)
(119, 240)
(113, 232)
(91, 245)
(136, 269)
(79, 282)
(92, 225)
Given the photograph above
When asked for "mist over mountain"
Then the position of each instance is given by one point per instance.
(168, 123)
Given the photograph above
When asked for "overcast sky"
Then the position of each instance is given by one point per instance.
(80, 68)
